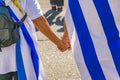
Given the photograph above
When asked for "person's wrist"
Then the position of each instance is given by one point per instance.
(59, 43)
(65, 35)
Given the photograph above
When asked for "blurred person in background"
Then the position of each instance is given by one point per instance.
(93, 27)
(57, 4)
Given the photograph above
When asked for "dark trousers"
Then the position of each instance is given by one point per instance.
(9, 76)
(57, 2)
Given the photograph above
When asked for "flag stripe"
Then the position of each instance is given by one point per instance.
(75, 45)
(110, 30)
(21, 72)
(86, 43)
(19, 60)
(34, 55)
(30, 42)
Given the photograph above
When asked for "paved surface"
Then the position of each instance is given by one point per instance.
(57, 65)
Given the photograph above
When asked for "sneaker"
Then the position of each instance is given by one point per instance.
(53, 7)
(60, 9)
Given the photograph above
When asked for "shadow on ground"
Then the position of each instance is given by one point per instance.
(54, 18)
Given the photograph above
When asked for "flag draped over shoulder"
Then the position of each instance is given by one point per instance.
(27, 60)
(93, 28)
(22, 75)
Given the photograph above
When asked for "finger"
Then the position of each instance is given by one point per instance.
(61, 49)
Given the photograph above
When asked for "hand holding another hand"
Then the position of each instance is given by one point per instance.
(65, 44)
(66, 40)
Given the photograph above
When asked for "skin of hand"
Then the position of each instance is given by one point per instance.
(42, 24)
(65, 37)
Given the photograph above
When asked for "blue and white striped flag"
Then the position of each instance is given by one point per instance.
(22, 75)
(93, 27)
(27, 59)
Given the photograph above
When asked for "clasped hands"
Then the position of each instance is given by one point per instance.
(64, 44)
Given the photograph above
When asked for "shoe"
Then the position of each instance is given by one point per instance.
(60, 9)
(53, 7)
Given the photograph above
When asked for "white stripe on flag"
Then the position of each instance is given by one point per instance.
(115, 8)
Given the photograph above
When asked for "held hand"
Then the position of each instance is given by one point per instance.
(66, 40)
(63, 46)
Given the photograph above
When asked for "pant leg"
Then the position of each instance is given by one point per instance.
(53, 2)
(15, 76)
(60, 2)
(9, 76)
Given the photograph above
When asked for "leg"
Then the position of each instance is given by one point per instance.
(60, 4)
(9, 76)
(53, 4)
(15, 76)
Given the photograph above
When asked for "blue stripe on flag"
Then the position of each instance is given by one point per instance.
(110, 30)
(85, 40)
(34, 56)
(1, 3)
(20, 65)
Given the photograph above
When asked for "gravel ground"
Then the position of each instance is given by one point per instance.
(57, 65)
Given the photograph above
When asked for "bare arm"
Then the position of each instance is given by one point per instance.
(65, 37)
(42, 24)
(65, 30)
